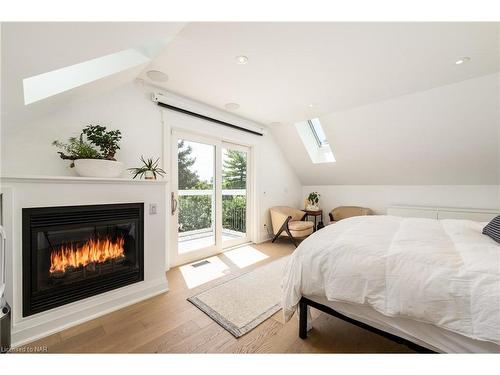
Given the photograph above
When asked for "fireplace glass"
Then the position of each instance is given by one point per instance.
(76, 252)
(72, 255)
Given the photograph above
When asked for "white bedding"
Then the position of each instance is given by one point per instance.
(442, 272)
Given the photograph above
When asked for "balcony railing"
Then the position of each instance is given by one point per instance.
(234, 219)
(197, 212)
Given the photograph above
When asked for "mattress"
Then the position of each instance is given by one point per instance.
(423, 334)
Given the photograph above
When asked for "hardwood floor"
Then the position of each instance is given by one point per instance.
(169, 324)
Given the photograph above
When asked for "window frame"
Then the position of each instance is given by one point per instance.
(315, 134)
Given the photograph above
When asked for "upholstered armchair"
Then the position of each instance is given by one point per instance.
(288, 221)
(344, 212)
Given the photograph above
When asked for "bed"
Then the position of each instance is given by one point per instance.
(431, 284)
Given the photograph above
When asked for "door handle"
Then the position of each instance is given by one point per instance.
(173, 204)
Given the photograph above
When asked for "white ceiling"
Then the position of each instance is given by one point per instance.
(331, 65)
(393, 103)
(339, 67)
(32, 48)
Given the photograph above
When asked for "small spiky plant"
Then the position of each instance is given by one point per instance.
(148, 165)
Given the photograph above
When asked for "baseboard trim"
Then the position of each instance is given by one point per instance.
(264, 238)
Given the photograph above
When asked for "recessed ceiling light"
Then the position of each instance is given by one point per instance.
(311, 105)
(232, 106)
(157, 76)
(242, 60)
(462, 60)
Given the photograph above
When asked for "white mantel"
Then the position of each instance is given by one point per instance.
(76, 179)
(49, 191)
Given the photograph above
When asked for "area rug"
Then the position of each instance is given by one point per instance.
(241, 304)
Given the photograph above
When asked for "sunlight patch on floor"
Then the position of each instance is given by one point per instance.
(191, 244)
(195, 276)
(245, 256)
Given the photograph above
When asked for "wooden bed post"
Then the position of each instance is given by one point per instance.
(303, 318)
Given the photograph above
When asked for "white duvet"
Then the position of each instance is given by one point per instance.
(443, 272)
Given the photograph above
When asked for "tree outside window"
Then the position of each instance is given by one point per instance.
(196, 210)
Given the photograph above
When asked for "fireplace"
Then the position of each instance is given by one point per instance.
(75, 252)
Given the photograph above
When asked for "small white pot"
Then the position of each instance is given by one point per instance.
(149, 175)
(312, 207)
(98, 168)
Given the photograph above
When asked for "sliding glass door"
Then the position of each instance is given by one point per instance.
(234, 194)
(209, 196)
(196, 195)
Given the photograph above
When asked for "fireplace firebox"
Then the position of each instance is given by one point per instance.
(75, 252)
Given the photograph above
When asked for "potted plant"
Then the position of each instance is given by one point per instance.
(92, 154)
(313, 201)
(149, 169)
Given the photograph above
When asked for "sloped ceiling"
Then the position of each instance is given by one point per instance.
(449, 135)
(333, 66)
(29, 49)
(369, 83)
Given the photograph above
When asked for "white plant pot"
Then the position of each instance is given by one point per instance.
(98, 168)
(148, 175)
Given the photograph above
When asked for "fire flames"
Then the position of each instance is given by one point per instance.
(95, 250)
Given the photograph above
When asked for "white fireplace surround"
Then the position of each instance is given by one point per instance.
(45, 191)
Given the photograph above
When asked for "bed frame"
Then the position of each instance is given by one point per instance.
(305, 302)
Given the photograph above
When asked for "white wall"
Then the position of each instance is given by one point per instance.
(445, 136)
(27, 149)
(379, 197)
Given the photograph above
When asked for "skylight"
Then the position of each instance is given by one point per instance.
(314, 139)
(58, 81)
(318, 132)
